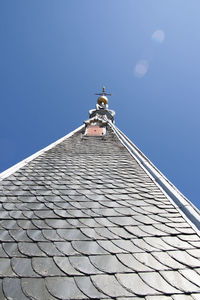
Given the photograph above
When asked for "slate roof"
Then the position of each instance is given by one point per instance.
(84, 220)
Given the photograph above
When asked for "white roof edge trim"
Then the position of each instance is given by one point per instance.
(188, 209)
(25, 161)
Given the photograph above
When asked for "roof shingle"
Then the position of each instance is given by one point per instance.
(84, 220)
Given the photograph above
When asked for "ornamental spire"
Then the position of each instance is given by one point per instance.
(103, 100)
(100, 117)
(103, 93)
(101, 114)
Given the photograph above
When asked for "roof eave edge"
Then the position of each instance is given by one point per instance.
(25, 161)
(189, 210)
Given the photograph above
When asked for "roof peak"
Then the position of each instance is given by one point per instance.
(101, 113)
(102, 99)
(103, 93)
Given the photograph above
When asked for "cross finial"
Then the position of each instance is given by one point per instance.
(103, 93)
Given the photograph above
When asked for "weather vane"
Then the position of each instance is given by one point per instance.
(103, 93)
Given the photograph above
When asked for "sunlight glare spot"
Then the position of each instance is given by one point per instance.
(158, 36)
(141, 68)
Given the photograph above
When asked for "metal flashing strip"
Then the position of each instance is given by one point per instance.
(22, 163)
(189, 210)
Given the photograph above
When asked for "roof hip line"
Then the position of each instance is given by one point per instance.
(192, 213)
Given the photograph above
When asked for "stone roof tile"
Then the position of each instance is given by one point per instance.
(34, 288)
(109, 285)
(23, 267)
(84, 220)
(64, 288)
(133, 283)
(177, 280)
(12, 289)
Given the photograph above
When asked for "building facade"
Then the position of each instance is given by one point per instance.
(90, 217)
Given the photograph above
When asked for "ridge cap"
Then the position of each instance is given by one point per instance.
(185, 206)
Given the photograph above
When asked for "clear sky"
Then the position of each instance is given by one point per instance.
(55, 54)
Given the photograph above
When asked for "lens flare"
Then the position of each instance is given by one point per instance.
(158, 36)
(141, 68)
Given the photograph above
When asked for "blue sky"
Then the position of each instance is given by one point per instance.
(55, 54)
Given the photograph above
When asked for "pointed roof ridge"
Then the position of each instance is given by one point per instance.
(88, 220)
(184, 205)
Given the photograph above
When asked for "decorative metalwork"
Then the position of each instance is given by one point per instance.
(103, 93)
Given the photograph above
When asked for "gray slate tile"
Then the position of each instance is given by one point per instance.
(35, 288)
(51, 235)
(109, 264)
(130, 261)
(124, 221)
(30, 249)
(2, 295)
(126, 245)
(175, 279)
(12, 289)
(185, 258)
(192, 276)
(2, 252)
(133, 283)
(23, 267)
(91, 233)
(158, 243)
(88, 247)
(45, 266)
(176, 242)
(5, 236)
(19, 235)
(66, 248)
(156, 281)
(64, 288)
(72, 235)
(167, 260)
(12, 249)
(121, 233)
(109, 285)
(49, 249)
(87, 287)
(36, 235)
(110, 247)
(64, 264)
(148, 260)
(5, 268)
(83, 265)
(26, 224)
